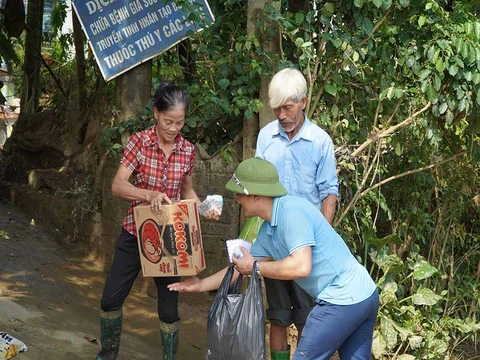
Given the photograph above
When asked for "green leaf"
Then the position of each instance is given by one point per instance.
(299, 17)
(421, 20)
(406, 357)
(389, 333)
(437, 82)
(442, 108)
(390, 93)
(423, 270)
(424, 73)
(426, 296)
(224, 83)
(368, 26)
(439, 65)
(377, 3)
(389, 239)
(358, 3)
(390, 263)
(432, 94)
(453, 70)
(404, 3)
(331, 88)
(398, 149)
(328, 10)
(379, 346)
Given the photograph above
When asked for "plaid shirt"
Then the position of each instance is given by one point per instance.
(153, 171)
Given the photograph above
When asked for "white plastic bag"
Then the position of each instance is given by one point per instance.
(10, 346)
(211, 207)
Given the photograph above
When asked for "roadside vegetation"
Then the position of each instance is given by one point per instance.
(396, 83)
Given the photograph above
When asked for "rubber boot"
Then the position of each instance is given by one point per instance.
(169, 334)
(280, 354)
(111, 330)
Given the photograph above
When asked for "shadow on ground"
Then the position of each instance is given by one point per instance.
(50, 295)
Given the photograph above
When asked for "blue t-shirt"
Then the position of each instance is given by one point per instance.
(336, 276)
(305, 164)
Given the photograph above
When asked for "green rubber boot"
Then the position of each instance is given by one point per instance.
(111, 329)
(280, 354)
(169, 334)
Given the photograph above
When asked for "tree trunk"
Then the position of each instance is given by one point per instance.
(133, 90)
(265, 115)
(80, 60)
(33, 45)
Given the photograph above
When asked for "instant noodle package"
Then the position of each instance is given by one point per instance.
(170, 240)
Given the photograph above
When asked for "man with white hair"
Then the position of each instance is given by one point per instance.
(303, 155)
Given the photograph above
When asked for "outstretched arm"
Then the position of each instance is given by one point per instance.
(194, 284)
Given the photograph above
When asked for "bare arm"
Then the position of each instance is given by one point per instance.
(328, 207)
(194, 284)
(297, 265)
(122, 188)
(187, 189)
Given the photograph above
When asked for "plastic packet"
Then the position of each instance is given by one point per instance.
(211, 207)
(233, 248)
(10, 346)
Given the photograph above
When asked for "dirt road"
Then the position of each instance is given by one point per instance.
(50, 295)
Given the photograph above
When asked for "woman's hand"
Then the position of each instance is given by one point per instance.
(156, 199)
(190, 284)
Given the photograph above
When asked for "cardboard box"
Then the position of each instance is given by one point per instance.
(170, 241)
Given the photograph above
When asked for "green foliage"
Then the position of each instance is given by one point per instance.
(395, 84)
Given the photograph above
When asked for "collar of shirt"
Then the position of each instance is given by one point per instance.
(304, 132)
(179, 142)
(274, 220)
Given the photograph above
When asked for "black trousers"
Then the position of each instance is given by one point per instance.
(124, 271)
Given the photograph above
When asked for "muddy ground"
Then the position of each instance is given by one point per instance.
(50, 295)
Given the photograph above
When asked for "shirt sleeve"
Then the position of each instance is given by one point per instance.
(191, 163)
(260, 145)
(297, 230)
(258, 250)
(132, 154)
(326, 176)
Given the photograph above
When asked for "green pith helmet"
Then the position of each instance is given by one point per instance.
(256, 176)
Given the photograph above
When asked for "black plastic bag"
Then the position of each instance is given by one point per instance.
(236, 321)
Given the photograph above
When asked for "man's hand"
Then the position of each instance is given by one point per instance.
(190, 284)
(244, 265)
(156, 199)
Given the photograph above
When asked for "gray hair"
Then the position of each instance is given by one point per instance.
(287, 84)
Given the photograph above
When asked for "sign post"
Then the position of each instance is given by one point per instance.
(124, 33)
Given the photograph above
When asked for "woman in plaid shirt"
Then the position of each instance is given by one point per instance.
(161, 162)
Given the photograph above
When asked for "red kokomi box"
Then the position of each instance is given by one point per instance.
(170, 240)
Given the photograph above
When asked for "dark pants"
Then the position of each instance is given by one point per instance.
(287, 303)
(346, 328)
(124, 271)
